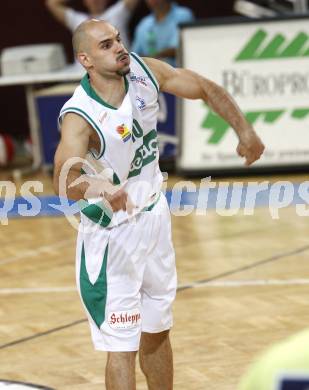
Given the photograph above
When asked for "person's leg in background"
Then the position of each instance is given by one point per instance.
(156, 360)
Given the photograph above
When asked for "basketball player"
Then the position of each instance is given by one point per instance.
(126, 271)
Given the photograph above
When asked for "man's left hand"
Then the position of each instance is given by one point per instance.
(250, 147)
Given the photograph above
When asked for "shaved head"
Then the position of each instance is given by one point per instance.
(82, 34)
(98, 47)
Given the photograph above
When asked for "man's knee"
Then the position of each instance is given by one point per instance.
(151, 341)
(120, 371)
(117, 359)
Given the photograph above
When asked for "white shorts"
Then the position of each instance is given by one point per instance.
(126, 277)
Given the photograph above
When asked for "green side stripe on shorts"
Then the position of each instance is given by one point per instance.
(146, 69)
(94, 295)
(92, 123)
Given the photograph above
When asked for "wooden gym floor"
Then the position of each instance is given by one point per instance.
(243, 284)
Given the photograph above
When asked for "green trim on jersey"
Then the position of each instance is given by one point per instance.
(91, 122)
(94, 295)
(92, 93)
(147, 70)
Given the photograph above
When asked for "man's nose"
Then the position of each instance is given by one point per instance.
(119, 46)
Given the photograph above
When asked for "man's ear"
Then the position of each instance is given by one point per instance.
(84, 59)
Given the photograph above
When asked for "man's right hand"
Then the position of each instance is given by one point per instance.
(115, 195)
(120, 201)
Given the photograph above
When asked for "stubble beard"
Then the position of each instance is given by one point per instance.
(123, 72)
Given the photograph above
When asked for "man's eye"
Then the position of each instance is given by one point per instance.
(118, 39)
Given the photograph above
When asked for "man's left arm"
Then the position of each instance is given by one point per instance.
(188, 84)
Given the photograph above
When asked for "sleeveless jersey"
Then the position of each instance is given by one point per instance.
(128, 141)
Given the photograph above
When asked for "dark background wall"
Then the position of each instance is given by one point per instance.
(28, 21)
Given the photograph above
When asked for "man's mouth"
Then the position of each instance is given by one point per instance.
(123, 57)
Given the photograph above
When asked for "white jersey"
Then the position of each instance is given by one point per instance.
(128, 139)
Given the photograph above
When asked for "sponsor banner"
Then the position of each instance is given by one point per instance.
(265, 66)
(124, 319)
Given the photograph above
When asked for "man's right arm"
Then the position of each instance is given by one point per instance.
(58, 9)
(69, 159)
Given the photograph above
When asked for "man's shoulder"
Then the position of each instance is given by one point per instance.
(77, 100)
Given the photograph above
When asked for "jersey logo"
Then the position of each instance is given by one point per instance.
(141, 105)
(145, 154)
(124, 319)
(138, 79)
(124, 132)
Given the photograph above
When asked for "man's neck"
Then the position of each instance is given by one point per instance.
(162, 11)
(110, 89)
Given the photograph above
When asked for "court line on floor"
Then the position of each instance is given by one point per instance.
(180, 288)
(38, 251)
(249, 283)
(36, 290)
(41, 334)
(60, 244)
(223, 283)
(245, 268)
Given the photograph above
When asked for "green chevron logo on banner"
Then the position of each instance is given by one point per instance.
(279, 47)
(219, 127)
